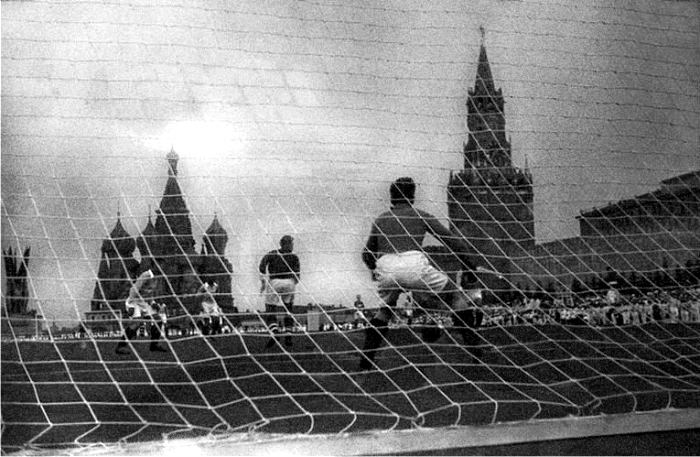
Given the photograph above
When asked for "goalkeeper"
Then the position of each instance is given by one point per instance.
(394, 252)
(138, 309)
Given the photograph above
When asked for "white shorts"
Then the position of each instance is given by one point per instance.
(409, 270)
(138, 309)
(280, 289)
(211, 309)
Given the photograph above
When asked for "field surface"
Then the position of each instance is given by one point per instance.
(70, 392)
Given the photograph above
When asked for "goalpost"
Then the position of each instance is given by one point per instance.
(558, 140)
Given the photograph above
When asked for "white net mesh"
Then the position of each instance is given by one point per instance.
(557, 141)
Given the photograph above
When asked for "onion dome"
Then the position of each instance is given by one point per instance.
(147, 241)
(217, 236)
(119, 241)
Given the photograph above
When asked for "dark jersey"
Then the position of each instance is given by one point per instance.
(280, 265)
(403, 228)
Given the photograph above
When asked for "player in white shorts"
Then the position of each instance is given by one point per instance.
(279, 275)
(394, 252)
(211, 312)
(409, 270)
(140, 309)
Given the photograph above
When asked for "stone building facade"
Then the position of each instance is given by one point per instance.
(652, 235)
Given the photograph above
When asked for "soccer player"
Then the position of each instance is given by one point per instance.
(280, 274)
(211, 312)
(140, 311)
(394, 253)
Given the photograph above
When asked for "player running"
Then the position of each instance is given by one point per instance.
(140, 310)
(211, 312)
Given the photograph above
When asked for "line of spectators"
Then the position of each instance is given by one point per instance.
(675, 305)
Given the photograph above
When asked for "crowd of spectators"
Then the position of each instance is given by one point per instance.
(672, 305)
(680, 305)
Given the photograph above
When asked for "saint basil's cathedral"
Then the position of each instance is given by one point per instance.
(168, 248)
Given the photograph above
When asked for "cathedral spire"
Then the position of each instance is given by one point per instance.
(148, 241)
(173, 218)
(172, 159)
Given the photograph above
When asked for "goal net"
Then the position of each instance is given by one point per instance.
(202, 225)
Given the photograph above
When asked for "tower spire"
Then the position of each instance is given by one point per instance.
(487, 145)
(172, 159)
(484, 77)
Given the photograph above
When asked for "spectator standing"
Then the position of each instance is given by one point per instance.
(359, 316)
(163, 317)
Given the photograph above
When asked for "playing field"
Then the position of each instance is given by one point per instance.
(80, 391)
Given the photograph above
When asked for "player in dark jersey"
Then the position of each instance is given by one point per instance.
(280, 274)
(394, 252)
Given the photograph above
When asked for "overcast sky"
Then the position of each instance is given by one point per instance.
(294, 116)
